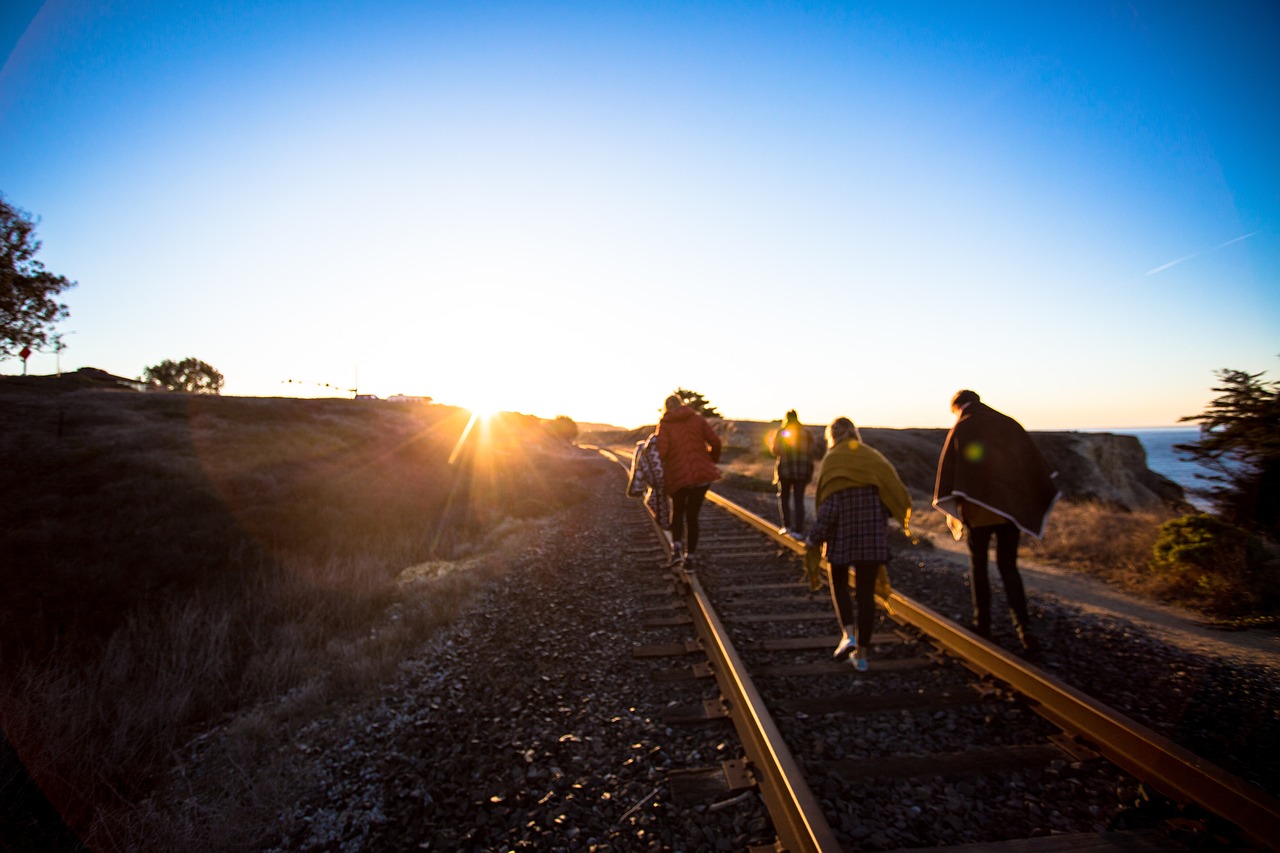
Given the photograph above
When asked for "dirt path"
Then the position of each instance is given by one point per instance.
(1174, 625)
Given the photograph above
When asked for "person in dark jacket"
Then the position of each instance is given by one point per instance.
(793, 447)
(689, 450)
(994, 483)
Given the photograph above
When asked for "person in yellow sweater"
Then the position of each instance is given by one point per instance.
(858, 492)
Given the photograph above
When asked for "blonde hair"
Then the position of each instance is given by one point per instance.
(840, 429)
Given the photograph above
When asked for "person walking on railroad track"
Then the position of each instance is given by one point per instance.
(993, 481)
(645, 480)
(793, 447)
(858, 492)
(689, 450)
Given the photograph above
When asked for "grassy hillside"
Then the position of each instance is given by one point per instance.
(168, 558)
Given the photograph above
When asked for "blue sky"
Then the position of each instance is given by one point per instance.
(573, 208)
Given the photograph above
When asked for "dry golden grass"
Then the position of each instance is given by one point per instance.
(1099, 539)
(175, 560)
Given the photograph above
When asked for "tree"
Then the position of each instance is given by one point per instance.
(697, 402)
(191, 375)
(28, 308)
(1240, 446)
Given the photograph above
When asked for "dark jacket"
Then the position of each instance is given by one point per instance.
(794, 447)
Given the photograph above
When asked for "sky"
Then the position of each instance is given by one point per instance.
(575, 208)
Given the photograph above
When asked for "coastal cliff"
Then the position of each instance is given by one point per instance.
(1098, 466)
(1104, 467)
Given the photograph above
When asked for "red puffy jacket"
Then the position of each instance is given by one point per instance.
(689, 449)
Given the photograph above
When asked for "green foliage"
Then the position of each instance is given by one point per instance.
(1214, 565)
(563, 428)
(1239, 444)
(697, 402)
(191, 375)
(28, 308)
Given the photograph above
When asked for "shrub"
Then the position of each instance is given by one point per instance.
(1214, 565)
(563, 428)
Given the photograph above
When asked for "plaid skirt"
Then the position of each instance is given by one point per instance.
(854, 526)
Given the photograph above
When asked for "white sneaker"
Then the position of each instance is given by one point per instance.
(847, 644)
(859, 660)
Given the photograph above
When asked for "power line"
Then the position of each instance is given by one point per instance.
(351, 391)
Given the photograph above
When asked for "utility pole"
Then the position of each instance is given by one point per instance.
(58, 347)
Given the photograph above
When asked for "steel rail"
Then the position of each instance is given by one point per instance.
(797, 815)
(1175, 771)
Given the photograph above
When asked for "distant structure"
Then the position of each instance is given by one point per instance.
(405, 398)
(102, 379)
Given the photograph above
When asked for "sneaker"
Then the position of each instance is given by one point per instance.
(677, 554)
(859, 660)
(784, 531)
(847, 644)
(689, 562)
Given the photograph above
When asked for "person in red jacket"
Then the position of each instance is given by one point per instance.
(689, 450)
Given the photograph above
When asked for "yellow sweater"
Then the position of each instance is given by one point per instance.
(851, 464)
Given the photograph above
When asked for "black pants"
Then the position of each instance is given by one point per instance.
(865, 584)
(1006, 536)
(791, 502)
(686, 503)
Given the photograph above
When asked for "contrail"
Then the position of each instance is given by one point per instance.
(1236, 240)
(1164, 267)
(1174, 263)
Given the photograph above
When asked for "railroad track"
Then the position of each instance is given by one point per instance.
(948, 741)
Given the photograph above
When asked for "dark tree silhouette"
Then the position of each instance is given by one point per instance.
(28, 309)
(191, 375)
(1239, 444)
(697, 402)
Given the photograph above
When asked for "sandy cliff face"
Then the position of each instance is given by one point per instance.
(1107, 467)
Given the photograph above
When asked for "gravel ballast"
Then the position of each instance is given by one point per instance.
(529, 725)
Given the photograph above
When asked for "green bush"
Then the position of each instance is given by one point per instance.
(1210, 564)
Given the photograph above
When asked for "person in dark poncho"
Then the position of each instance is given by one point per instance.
(994, 483)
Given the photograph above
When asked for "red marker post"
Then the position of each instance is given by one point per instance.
(26, 352)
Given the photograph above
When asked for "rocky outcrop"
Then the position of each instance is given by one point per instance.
(1108, 468)
(1094, 466)
(1104, 467)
